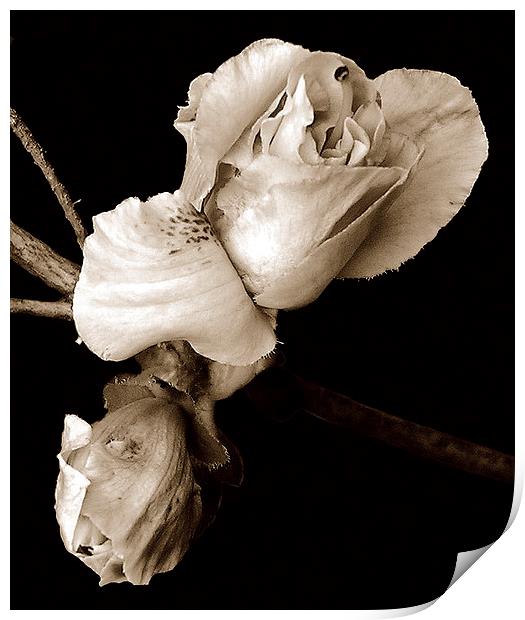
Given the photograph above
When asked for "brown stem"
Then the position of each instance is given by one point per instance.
(43, 262)
(25, 136)
(279, 387)
(53, 309)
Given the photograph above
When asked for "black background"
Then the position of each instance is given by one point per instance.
(324, 519)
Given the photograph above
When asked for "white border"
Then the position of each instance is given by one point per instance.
(493, 586)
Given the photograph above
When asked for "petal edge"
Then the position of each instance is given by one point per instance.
(441, 116)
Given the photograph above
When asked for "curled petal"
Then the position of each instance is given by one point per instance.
(361, 142)
(185, 121)
(370, 118)
(71, 484)
(275, 214)
(242, 152)
(240, 90)
(329, 97)
(335, 86)
(442, 117)
(186, 116)
(153, 272)
(291, 132)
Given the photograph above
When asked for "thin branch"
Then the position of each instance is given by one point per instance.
(25, 136)
(53, 309)
(278, 387)
(43, 262)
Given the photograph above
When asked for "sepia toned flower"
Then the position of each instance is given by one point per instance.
(127, 501)
(309, 171)
(299, 170)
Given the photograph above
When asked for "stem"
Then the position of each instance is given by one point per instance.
(292, 392)
(53, 309)
(43, 262)
(27, 139)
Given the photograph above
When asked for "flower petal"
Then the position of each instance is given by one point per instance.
(306, 281)
(239, 92)
(343, 84)
(153, 272)
(370, 118)
(296, 116)
(142, 496)
(242, 152)
(113, 571)
(442, 117)
(276, 213)
(71, 484)
(186, 116)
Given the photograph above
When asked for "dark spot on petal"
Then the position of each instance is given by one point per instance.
(341, 73)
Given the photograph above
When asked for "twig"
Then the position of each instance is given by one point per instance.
(21, 130)
(53, 309)
(40, 260)
(278, 386)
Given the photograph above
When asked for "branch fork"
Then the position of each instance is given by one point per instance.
(34, 255)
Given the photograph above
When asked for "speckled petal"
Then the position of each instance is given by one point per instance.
(153, 272)
(436, 111)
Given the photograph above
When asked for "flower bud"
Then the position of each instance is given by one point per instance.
(127, 502)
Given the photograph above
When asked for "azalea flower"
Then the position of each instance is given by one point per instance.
(299, 170)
